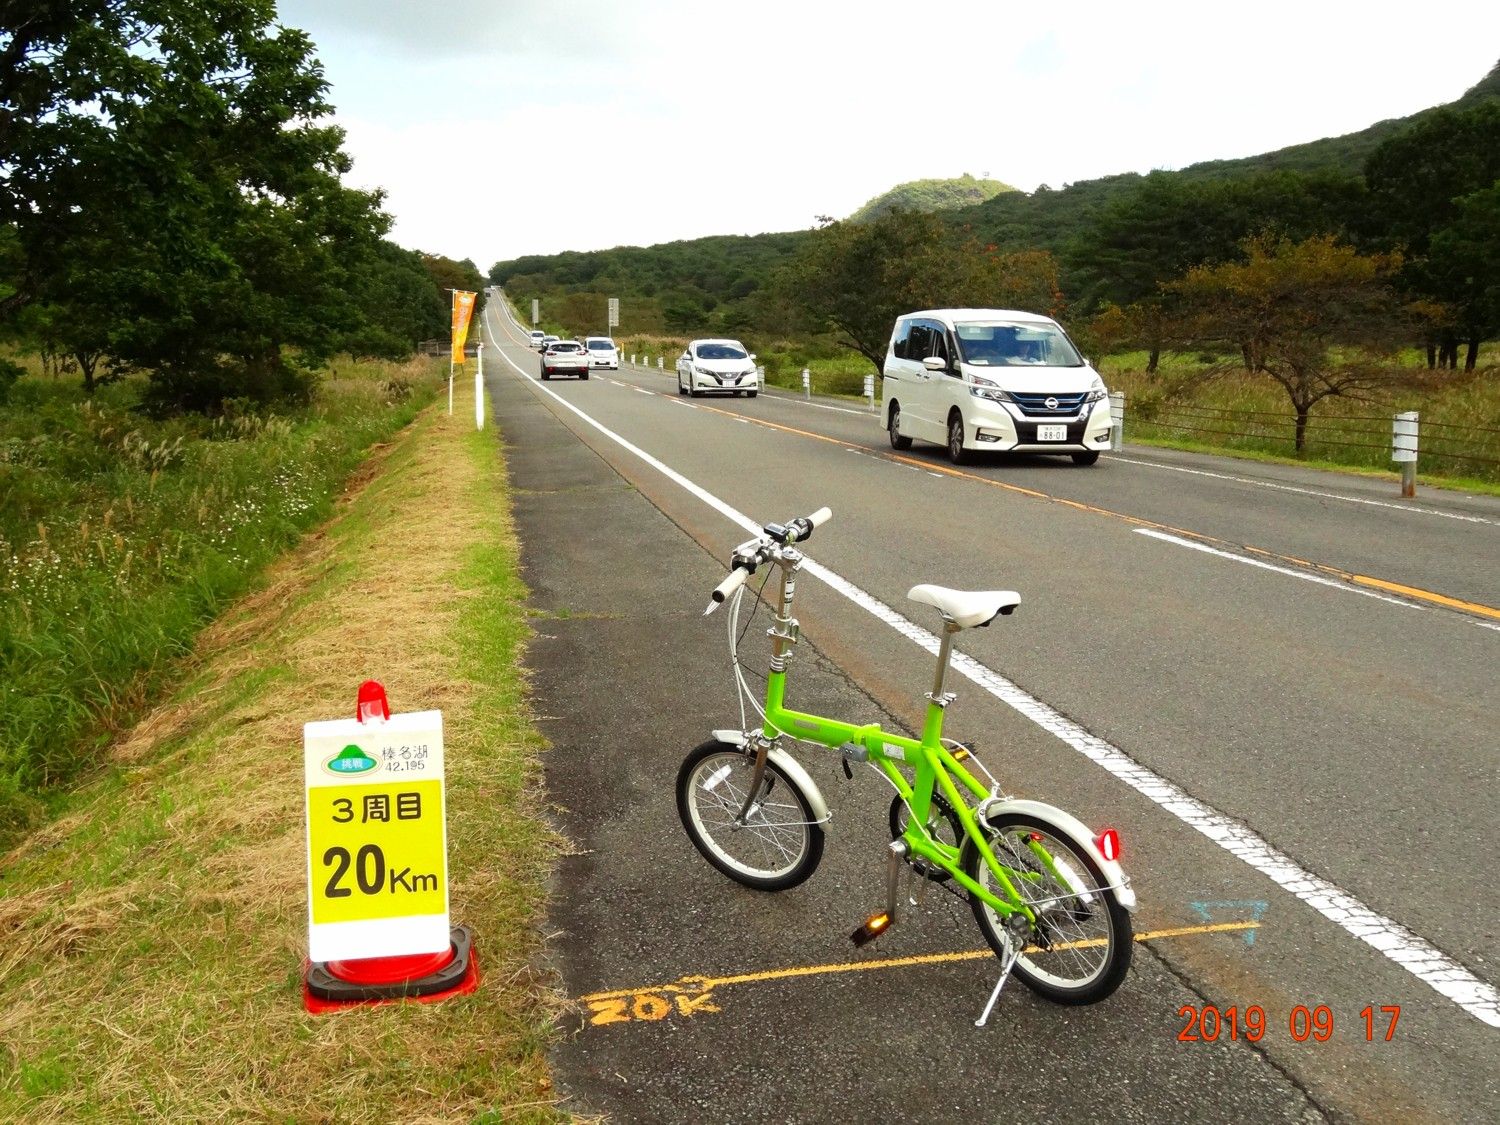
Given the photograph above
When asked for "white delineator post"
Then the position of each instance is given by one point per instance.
(1404, 449)
(807, 382)
(479, 387)
(661, 363)
(1116, 420)
(870, 390)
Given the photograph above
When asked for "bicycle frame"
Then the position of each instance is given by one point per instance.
(934, 768)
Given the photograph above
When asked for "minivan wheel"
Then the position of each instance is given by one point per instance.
(897, 441)
(956, 451)
(1086, 458)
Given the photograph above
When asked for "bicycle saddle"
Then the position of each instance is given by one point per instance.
(966, 608)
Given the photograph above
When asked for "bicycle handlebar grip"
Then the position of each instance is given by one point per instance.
(820, 517)
(733, 582)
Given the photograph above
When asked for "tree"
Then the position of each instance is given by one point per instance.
(169, 185)
(1420, 183)
(1167, 224)
(857, 278)
(1288, 305)
(1463, 268)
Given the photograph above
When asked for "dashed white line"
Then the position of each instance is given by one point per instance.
(1402, 946)
(1307, 491)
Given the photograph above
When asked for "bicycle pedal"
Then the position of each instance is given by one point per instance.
(872, 928)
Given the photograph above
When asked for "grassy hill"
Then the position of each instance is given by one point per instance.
(931, 195)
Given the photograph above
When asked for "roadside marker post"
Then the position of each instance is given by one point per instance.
(870, 390)
(479, 387)
(661, 363)
(377, 864)
(1116, 421)
(807, 383)
(1404, 449)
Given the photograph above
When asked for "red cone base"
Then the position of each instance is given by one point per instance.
(425, 977)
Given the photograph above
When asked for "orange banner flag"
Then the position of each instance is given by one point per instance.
(463, 309)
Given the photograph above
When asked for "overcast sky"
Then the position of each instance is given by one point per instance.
(582, 124)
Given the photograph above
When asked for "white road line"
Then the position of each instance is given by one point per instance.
(1302, 574)
(1307, 491)
(819, 405)
(1401, 945)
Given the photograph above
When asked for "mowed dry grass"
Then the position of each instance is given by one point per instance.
(152, 938)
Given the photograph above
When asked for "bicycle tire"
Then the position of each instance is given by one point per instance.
(777, 848)
(1081, 950)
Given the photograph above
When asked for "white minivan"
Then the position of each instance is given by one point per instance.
(997, 379)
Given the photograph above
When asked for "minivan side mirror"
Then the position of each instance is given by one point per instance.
(935, 363)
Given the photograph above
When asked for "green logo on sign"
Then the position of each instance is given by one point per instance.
(351, 759)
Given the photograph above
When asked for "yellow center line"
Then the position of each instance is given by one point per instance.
(705, 984)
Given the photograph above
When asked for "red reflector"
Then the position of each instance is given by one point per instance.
(1109, 843)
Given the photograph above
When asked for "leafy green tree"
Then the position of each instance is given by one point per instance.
(169, 184)
(1462, 269)
(855, 279)
(1169, 223)
(1288, 305)
(1419, 181)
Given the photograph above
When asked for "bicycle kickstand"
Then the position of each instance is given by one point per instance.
(1013, 951)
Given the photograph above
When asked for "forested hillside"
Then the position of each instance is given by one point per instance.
(1422, 188)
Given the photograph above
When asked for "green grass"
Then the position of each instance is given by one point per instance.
(155, 931)
(121, 536)
(1250, 415)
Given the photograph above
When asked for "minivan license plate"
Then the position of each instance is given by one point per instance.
(1052, 433)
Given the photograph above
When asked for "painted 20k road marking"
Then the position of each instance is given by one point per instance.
(695, 995)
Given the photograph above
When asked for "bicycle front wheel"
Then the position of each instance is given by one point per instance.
(776, 846)
(1079, 949)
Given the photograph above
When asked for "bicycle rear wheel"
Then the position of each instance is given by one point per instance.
(778, 845)
(1080, 948)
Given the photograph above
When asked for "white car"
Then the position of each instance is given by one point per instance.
(565, 357)
(602, 352)
(717, 365)
(997, 379)
(536, 338)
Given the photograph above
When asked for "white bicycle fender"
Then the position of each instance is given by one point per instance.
(1079, 833)
(792, 768)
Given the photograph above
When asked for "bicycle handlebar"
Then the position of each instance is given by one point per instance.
(798, 530)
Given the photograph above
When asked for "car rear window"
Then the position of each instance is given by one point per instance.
(567, 347)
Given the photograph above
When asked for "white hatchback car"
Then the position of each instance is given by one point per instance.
(536, 338)
(717, 365)
(974, 379)
(602, 352)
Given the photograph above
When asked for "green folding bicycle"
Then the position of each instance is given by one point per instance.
(1049, 894)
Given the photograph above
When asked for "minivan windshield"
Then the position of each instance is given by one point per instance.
(1016, 345)
(598, 343)
(721, 351)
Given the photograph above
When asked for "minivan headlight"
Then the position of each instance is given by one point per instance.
(984, 388)
(1096, 395)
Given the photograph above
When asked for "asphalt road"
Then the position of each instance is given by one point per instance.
(1297, 731)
